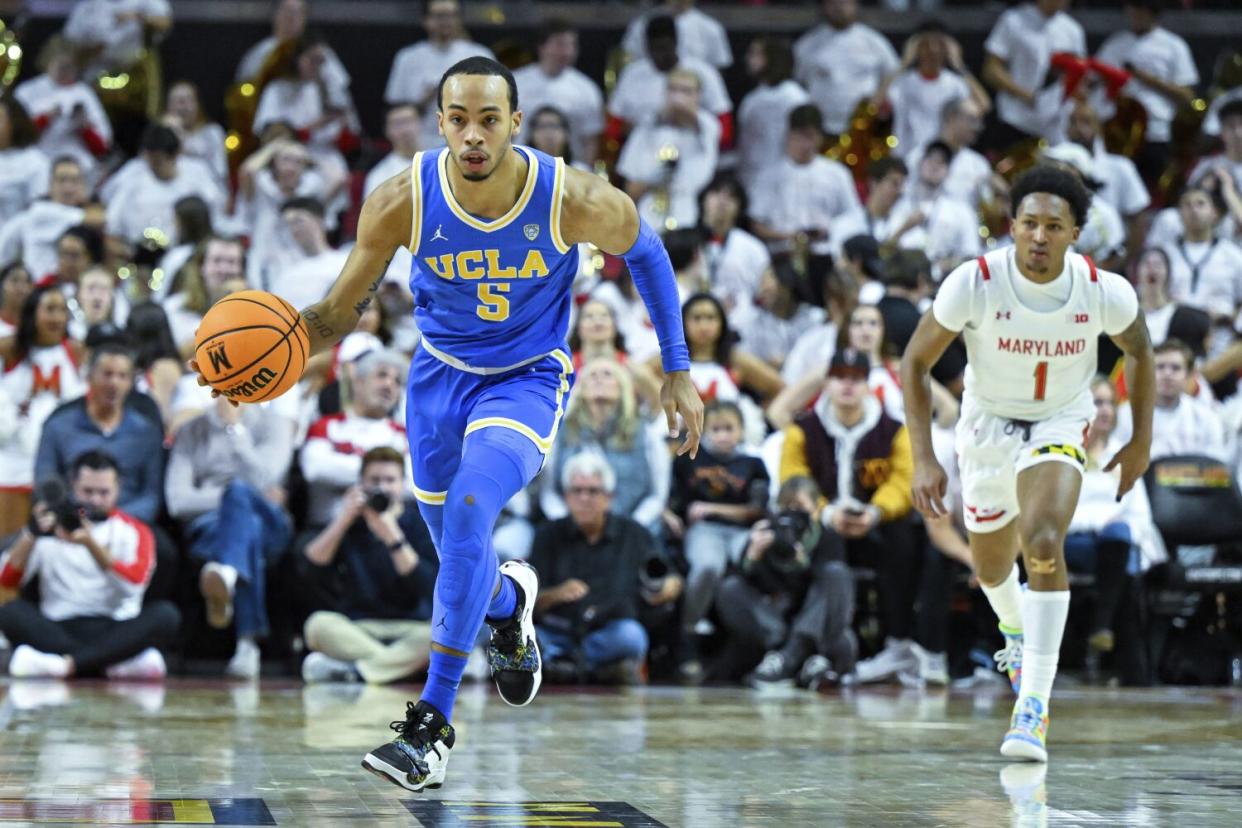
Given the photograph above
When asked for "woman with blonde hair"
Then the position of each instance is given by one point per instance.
(603, 417)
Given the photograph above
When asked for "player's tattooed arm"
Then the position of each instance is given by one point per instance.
(383, 227)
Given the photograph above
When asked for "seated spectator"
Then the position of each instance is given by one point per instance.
(31, 234)
(77, 250)
(701, 35)
(920, 88)
(792, 600)
(24, 169)
(552, 81)
(331, 458)
(417, 69)
(94, 302)
(797, 198)
(156, 359)
(225, 487)
(641, 87)
(145, 199)
(194, 227)
(321, 113)
(402, 126)
(771, 326)
(1165, 318)
(861, 459)
(603, 418)
(763, 116)
(40, 371)
(114, 32)
(373, 569)
(114, 419)
(945, 229)
(716, 497)
(307, 279)
(15, 286)
(217, 269)
(93, 569)
(280, 170)
(200, 138)
(671, 155)
(1230, 160)
(1120, 183)
(1206, 269)
(288, 24)
(1103, 235)
(589, 564)
(734, 258)
(1181, 423)
(970, 179)
(907, 285)
(595, 336)
(70, 119)
(886, 179)
(549, 133)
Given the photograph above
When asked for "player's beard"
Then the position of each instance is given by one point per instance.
(483, 176)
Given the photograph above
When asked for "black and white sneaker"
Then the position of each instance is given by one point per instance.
(418, 757)
(513, 653)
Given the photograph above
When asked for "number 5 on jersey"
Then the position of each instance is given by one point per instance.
(493, 306)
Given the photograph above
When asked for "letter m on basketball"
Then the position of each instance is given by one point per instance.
(218, 358)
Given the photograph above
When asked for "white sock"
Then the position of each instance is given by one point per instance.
(1006, 600)
(245, 643)
(1043, 616)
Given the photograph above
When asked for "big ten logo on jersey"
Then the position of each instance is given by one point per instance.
(486, 267)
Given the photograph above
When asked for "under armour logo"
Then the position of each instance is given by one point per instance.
(438, 235)
(1004, 314)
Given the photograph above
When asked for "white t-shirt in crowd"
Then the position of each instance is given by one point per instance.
(1167, 227)
(1217, 162)
(1211, 122)
(1120, 182)
(949, 230)
(762, 126)
(96, 22)
(415, 76)
(1031, 349)
(32, 235)
(1206, 275)
(390, 165)
(24, 176)
(144, 201)
(811, 353)
(790, 197)
(1190, 427)
(768, 336)
(271, 246)
(918, 102)
(699, 35)
(307, 280)
(696, 163)
(43, 96)
(969, 175)
(1161, 53)
(840, 67)
(577, 97)
(1025, 40)
(206, 144)
(640, 89)
(1103, 235)
(735, 266)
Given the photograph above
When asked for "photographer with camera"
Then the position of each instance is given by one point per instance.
(224, 486)
(588, 622)
(93, 562)
(792, 600)
(373, 569)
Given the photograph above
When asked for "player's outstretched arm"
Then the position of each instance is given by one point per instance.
(594, 211)
(383, 227)
(1135, 456)
(926, 346)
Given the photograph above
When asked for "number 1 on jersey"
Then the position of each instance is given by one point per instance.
(1041, 380)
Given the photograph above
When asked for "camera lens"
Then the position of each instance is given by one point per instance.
(378, 501)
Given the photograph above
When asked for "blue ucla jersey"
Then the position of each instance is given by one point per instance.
(490, 294)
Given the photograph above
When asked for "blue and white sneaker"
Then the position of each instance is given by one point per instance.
(1028, 731)
(1009, 659)
(513, 652)
(418, 757)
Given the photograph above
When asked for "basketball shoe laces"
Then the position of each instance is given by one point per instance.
(1009, 657)
(1029, 718)
(414, 738)
(510, 648)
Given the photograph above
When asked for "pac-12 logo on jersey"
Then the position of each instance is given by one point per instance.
(531, 231)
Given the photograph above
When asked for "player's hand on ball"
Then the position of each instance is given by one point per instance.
(1134, 458)
(193, 366)
(930, 486)
(679, 396)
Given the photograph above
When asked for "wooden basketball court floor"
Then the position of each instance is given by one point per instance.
(196, 752)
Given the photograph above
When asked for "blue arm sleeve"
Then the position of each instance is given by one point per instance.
(653, 276)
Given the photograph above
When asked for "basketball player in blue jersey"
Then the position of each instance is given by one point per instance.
(493, 229)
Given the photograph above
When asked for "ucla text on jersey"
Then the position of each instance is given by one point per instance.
(490, 293)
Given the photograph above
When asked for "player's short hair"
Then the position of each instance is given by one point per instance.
(660, 26)
(95, 460)
(805, 116)
(159, 138)
(1175, 345)
(723, 407)
(381, 454)
(1046, 178)
(484, 66)
(589, 464)
(882, 168)
(553, 27)
(1233, 109)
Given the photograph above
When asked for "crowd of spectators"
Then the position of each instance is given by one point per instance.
(133, 505)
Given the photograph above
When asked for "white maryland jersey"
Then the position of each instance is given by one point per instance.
(1022, 363)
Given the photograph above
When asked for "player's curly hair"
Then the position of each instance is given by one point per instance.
(1046, 178)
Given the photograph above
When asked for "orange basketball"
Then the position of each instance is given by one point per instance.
(251, 346)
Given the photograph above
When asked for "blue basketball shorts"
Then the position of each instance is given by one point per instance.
(446, 404)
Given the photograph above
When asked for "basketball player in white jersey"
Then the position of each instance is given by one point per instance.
(1030, 315)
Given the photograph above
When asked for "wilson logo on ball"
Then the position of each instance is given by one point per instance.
(253, 385)
(219, 359)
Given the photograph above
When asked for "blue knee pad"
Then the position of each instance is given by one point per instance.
(496, 464)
